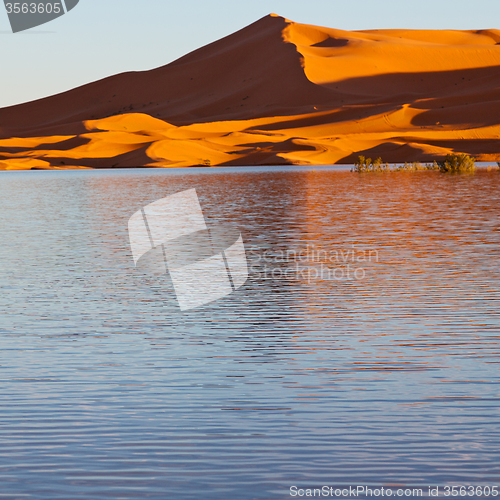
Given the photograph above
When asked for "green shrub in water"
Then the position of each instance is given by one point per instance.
(367, 165)
(416, 165)
(457, 164)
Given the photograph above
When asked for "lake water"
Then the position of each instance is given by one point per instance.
(373, 363)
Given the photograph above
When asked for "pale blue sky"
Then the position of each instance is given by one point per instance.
(104, 37)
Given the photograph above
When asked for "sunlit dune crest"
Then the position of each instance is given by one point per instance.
(276, 92)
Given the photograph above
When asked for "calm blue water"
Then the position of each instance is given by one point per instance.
(385, 377)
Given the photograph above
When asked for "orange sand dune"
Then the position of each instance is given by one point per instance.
(276, 92)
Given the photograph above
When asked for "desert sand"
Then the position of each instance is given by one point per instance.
(276, 92)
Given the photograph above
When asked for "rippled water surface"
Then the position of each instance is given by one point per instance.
(363, 349)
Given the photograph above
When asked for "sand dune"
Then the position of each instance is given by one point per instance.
(276, 92)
